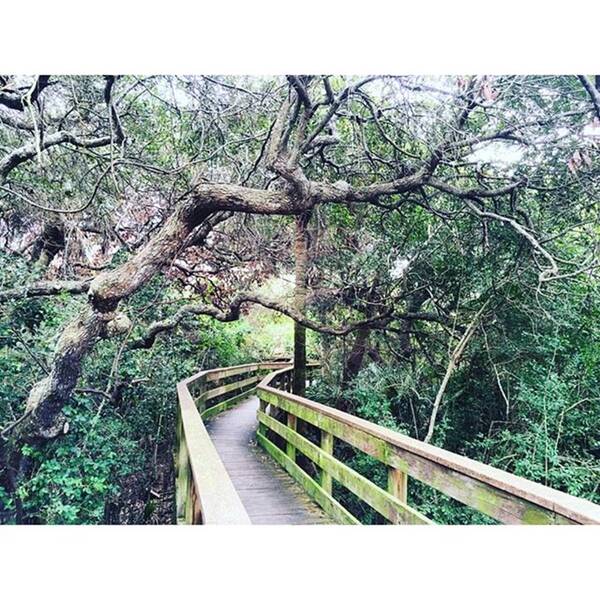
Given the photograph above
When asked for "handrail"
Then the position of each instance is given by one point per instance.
(503, 496)
(205, 493)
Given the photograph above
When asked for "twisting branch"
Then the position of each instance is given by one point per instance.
(593, 93)
(233, 312)
(14, 100)
(546, 274)
(61, 211)
(336, 103)
(28, 151)
(45, 288)
(473, 194)
(115, 122)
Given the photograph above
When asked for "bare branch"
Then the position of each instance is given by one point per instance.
(233, 313)
(45, 288)
(546, 274)
(593, 93)
(29, 151)
(14, 100)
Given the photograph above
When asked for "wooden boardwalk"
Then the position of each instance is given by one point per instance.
(224, 477)
(269, 494)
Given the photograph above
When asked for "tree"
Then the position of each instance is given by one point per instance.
(165, 168)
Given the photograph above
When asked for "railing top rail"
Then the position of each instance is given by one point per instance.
(216, 496)
(571, 507)
(219, 501)
(225, 370)
(205, 372)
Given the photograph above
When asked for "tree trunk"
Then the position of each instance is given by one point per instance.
(43, 418)
(353, 364)
(452, 364)
(414, 305)
(301, 241)
(354, 361)
(49, 244)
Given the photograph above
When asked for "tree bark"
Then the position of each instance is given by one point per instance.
(49, 244)
(414, 305)
(353, 364)
(43, 417)
(301, 242)
(452, 364)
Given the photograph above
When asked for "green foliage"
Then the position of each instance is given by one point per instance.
(79, 473)
(550, 374)
(111, 437)
(524, 396)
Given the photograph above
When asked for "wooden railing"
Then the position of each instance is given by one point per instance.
(505, 497)
(205, 493)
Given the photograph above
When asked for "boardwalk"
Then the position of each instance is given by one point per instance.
(269, 495)
(224, 477)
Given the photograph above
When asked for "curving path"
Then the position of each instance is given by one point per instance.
(268, 493)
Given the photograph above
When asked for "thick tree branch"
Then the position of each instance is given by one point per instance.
(14, 100)
(115, 122)
(15, 121)
(28, 151)
(342, 192)
(233, 313)
(45, 288)
(298, 85)
(593, 93)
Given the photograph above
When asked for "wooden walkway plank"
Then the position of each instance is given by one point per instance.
(269, 495)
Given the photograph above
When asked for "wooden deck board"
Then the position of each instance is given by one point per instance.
(269, 495)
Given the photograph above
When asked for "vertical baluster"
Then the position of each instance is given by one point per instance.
(290, 450)
(326, 446)
(182, 480)
(262, 407)
(398, 484)
(189, 497)
(197, 518)
(199, 389)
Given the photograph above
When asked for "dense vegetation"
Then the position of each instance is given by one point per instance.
(437, 238)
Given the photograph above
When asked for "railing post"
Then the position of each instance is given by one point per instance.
(290, 449)
(262, 407)
(327, 446)
(398, 483)
(189, 502)
(183, 474)
(199, 389)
